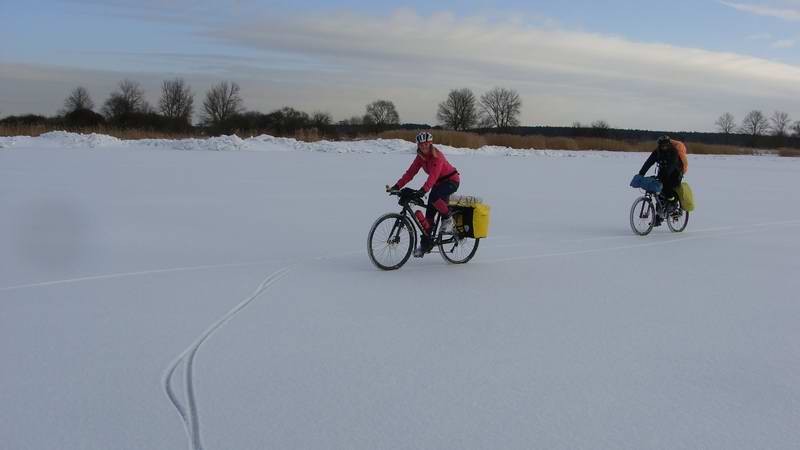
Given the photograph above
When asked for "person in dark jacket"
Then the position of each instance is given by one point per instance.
(670, 168)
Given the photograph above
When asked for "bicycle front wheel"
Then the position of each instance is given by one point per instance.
(459, 251)
(643, 216)
(390, 242)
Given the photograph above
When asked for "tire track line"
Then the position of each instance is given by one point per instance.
(533, 243)
(188, 411)
(133, 274)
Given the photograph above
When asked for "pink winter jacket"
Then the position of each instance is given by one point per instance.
(436, 166)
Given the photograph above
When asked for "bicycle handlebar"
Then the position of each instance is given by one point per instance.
(405, 196)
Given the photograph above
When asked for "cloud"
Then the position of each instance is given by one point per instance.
(759, 37)
(560, 72)
(788, 12)
(784, 43)
(446, 41)
(466, 48)
(340, 62)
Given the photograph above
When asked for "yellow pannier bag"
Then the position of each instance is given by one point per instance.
(480, 220)
(686, 196)
(471, 216)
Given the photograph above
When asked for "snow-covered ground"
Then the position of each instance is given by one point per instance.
(245, 270)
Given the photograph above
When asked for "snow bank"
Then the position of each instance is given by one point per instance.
(8, 142)
(65, 139)
(265, 142)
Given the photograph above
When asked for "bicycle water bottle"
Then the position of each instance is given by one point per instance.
(423, 221)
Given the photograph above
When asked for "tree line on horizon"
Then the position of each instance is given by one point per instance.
(756, 124)
(222, 112)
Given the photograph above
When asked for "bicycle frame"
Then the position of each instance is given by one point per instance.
(657, 201)
(652, 199)
(408, 214)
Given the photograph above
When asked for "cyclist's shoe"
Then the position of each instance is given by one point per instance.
(447, 225)
(659, 220)
(421, 251)
(425, 246)
(672, 205)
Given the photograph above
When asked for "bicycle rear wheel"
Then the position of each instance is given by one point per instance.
(390, 242)
(459, 251)
(643, 216)
(678, 220)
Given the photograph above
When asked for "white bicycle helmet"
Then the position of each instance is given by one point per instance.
(424, 137)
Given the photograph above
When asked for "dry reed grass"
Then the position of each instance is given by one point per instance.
(474, 141)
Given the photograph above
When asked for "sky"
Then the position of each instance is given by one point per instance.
(674, 65)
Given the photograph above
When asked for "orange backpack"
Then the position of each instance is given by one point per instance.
(681, 148)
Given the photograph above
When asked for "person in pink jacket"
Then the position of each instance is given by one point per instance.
(443, 180)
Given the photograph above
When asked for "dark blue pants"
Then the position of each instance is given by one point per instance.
(438, 199)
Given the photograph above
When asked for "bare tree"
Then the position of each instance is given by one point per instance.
(177, 100)
(381, 113)
(577, 124)
(127, 99)
(780, 123)
(500, 108)
(755, 124)
(321, 120)
(223, 101)
(600, 128)
(287, 121)
(459, 111)
(726, 124)
(796, 129)
(78, 99)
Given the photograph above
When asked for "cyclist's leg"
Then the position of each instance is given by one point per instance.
(670, 195)
(670, 183)
(438, 198)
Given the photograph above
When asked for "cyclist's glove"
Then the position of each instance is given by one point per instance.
(408, 193)
(394, 188)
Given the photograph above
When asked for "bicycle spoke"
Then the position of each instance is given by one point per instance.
(390, 242)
